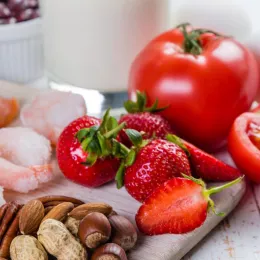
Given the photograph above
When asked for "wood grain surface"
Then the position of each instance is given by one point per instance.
(235, 237)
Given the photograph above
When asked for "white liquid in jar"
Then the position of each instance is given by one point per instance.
(92, 43)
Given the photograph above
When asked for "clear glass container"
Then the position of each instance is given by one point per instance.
(92, 43)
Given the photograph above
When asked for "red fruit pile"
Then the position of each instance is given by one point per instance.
(150, 163)
(15, 11)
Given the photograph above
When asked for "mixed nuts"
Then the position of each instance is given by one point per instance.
(64, 228)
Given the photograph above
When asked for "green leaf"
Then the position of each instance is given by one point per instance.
(102, 144)
(116, 148)
(93, 130)
(114, 132)
(85, 143)
(119, 150)
(120, 176)
(140, 104)
(141, 101)
(94, 147)
(176, 140)
(131, 106)
(103, 126)
(111, 124)
(91, 159)
(82, 133)
(130, 159)
(134, 136)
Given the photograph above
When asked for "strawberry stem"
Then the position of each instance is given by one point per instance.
(140, 105)
(225, 186)
(207, 192)
(114, 131)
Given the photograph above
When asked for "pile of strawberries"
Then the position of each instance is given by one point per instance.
(156, 167)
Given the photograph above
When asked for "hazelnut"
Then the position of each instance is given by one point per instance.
(94, 230)
(109, 251)
(123, 232)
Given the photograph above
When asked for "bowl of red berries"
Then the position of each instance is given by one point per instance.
(21, 41)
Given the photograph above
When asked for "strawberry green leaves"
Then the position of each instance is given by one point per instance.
(98, 140)
(208, 192)
(140, 105)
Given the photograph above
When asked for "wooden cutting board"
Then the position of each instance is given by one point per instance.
(163, 247)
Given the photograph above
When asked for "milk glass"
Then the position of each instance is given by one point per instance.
(91, 43)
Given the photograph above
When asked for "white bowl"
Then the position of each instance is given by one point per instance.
(21, 51)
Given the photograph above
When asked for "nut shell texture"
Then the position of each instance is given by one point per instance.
(94, 230)
(27, 248)
(31, 216)
(124, 232)
(59, 242)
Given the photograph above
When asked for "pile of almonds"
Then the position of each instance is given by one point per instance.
(64, 228)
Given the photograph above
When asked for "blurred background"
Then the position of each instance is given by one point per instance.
(91, 43)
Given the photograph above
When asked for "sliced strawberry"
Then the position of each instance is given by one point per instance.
(204, 165)
(210, 168)
(178, 206)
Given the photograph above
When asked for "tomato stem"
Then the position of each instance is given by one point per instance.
(192, 42)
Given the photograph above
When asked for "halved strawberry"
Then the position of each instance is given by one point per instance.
(178, 206)
(204, 165)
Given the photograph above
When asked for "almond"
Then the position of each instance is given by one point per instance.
(31, 216)
(81, 211)
(60, 211)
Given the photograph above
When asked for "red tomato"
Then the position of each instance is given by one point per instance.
(206, 86)
(244, 145)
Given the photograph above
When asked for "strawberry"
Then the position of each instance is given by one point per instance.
(143, 119)
(204, 165)
(82, 151)
(154, 163)
(178, 206)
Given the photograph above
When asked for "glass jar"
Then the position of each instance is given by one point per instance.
(91, 43)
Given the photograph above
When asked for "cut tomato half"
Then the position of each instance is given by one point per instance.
(244, 145)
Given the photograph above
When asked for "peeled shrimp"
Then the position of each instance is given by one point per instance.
(25, 159)
(9, 109)
(50, 112)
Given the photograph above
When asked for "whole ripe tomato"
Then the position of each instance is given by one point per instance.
(207, 80)
(244, 144)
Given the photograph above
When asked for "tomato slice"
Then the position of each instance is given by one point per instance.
(244, 145)
(254, 133)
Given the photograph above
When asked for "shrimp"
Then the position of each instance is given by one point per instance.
(9, 109)
(25, 159)
(50, 112)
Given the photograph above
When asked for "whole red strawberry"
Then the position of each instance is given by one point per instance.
(155, 163)
(144, 119)
(204, 165)
(178, 206)
(92, 168)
